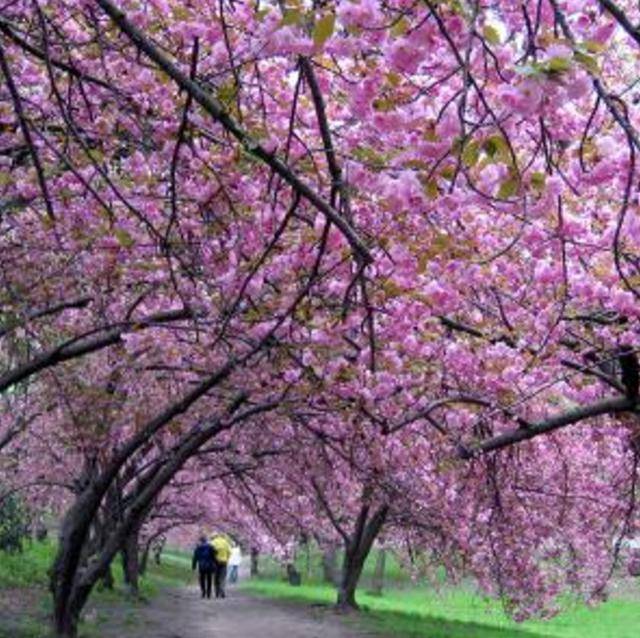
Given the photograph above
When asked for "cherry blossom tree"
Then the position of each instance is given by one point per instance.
(409, 226)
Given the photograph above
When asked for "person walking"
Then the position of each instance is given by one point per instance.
(234, 563)
(204, 559)
(222, 549)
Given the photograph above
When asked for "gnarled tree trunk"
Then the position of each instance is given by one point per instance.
(131, 563)
(356, 551)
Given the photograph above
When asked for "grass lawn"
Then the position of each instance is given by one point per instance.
(422, 613)
(25, 602)
(403, 611)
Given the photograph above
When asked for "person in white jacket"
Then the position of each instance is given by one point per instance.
(235, 561)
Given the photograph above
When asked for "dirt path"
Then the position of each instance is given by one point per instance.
(183, 614)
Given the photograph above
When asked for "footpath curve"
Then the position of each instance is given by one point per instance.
(182, 613)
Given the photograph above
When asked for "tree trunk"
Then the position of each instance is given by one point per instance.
(157, 550)
(254, 561)
(72, 541)
(377, 584)
(66, 626)
(307, 559)
(107, 580)
(71, 585)
(100, 525)
(330, 565)
(293, 575)
(144, 559)
(356, 551)
(66, 622)
(130, 563)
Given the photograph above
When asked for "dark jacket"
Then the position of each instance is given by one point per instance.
(204, 557)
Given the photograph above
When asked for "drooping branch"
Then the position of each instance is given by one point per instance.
(335, 171)
(611, 101)
(610, 406)
(329, 511)
(47, 311)
(150, 490)
(85, 344)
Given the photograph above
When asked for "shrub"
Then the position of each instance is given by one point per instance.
(14, 523)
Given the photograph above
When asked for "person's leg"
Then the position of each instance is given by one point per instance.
(216, 580)
(202, 582)
(223, 578)
(209, 577)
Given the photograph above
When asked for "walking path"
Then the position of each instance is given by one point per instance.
(183, 614)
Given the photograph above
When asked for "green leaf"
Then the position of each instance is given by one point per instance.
(471, 154)
(448, 172)
(593, 46)
(96, 155)
(558, 65)
(384, 104)
(291, 16)
(261, 14)
(538, 180)
(181, 13)
(528, 70)
(431, 189)
(496, 147)
(227, 93)
(491, 34)
(509, 188)
(400, 28)
(323, 29)
(391, 288)
(124, 238)
(588, 62)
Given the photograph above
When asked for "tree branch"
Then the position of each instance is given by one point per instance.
(26, 133)
(621, 18)
(605, 407)
(217, 111)
(85, 344)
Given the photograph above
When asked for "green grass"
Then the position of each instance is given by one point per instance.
(403, 611)
(422, 613)
(309, 564)
(23, 581)
(26, 569)
(24, 577)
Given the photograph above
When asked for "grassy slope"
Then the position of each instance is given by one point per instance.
(403, 612)
(422, 613)
(25, 603)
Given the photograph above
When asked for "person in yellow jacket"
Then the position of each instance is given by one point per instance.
(222, 548)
